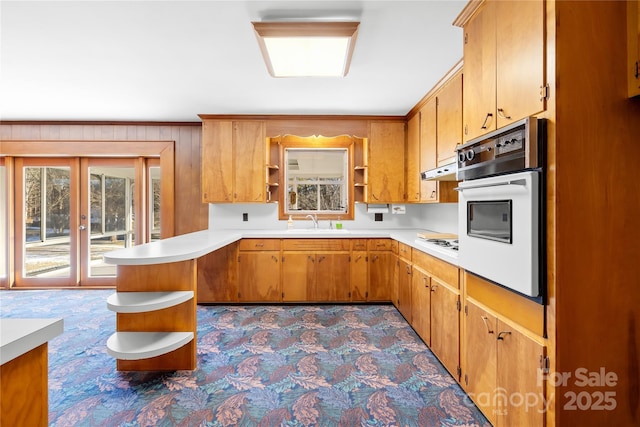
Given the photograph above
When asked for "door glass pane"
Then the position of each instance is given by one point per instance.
(47, 221)
(3, 223)
(111, 211)
(154, 203)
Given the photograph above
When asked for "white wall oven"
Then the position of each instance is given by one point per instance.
(501, 207)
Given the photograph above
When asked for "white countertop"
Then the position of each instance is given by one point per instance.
(19, 336)
(199, 243)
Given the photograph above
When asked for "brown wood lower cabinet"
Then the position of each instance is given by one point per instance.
(332, 277)
(481, 348)
(421, 303)
(381, 275)
(382, 261)
(315, 270)
(315, 276)
(298, 270)
(217, 275)
(403, 294)
(298, 274)
(502, 369)
(445, 325)
(359, 275)
(436, 316)
(259, 270)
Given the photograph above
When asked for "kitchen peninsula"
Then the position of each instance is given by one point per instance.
(158, 285)
(24, 369)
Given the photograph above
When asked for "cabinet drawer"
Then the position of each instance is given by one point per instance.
(444, 271)
(404, 251)
(315, 244)
(382, 244)
(358, 244)
(260, 245)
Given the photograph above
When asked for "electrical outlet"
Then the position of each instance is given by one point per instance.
(245, 216)
(378, 217)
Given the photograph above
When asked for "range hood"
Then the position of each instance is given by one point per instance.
(442, 173)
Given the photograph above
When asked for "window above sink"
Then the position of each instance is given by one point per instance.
(316, 176)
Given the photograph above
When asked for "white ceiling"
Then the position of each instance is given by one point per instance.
(172, 60)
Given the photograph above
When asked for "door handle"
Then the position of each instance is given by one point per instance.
(521, 182)
(486, 119)
(485, 319)
(501, 334)
(82, 227)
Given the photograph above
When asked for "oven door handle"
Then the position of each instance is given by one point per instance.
(521, 182)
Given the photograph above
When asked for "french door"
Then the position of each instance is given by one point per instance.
(4, 225)
(70, 211)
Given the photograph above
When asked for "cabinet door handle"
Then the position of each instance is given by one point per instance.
(311, 258)
(259, 245)
(500, 334)
(433, 288)
(375, 258)
(358, 258)
(274, 258)
(486, 323)
(320, 259)
(374, 196)
(486, 119)
(424, 280)
(502, 115)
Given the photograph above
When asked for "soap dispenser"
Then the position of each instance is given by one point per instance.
(290, 223)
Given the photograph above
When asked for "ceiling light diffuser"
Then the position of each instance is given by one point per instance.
(307, 49)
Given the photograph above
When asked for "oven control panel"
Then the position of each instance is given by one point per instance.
(509, 143)
(506, 150)
(492, 148)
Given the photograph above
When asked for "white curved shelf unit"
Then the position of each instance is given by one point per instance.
(143, 345)
(140, 302)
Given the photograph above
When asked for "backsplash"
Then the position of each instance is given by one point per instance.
(436, 217)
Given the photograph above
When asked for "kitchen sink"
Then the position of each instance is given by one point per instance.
(317, 231)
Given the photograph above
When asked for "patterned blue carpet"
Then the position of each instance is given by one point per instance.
(333, 365)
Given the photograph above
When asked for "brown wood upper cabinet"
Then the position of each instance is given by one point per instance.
(438, 120)
(233, 161)
(428, 140)
(412, 169)
(386, 149)
(449, 129)
(503, 63)
(633, 47)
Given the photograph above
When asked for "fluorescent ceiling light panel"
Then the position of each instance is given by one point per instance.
(307, 49)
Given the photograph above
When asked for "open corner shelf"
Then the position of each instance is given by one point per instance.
(144, 345)
(140, 302)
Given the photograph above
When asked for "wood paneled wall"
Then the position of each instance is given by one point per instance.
(594, 274)
(190, 213)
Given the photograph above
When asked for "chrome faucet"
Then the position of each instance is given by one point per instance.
(314, 218)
